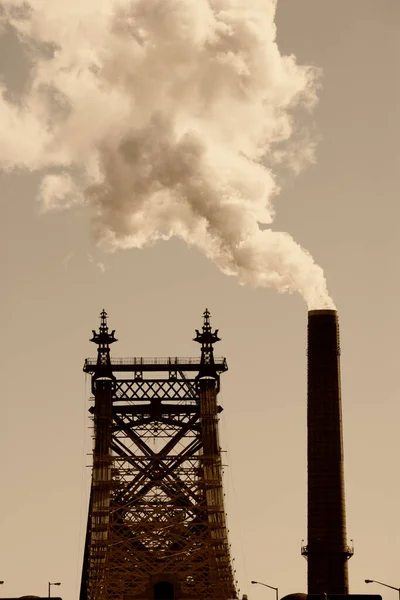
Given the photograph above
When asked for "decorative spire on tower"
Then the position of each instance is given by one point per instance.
(103, 339)
(207, 338)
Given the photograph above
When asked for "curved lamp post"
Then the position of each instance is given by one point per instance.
(51, 583)
(271, 587)
(385, 584)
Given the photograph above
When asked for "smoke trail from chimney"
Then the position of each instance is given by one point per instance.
(165, 118)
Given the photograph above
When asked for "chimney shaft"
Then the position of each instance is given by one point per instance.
(327, 549)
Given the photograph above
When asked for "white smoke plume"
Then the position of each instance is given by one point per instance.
(166, 118)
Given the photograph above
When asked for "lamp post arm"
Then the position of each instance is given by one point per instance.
(271, 587)
(387, 585)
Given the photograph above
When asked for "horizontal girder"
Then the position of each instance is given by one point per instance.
(148, 389)
(158, 364)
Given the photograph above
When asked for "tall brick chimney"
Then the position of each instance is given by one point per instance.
(327, 550)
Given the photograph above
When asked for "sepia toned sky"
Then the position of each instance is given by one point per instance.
(344, 209)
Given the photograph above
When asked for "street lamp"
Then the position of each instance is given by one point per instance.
(50, 584)
(385, 584)
(271, 587)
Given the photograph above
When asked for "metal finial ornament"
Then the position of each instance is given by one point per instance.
(207, 338)
(103, 321)
(103, 338)
(206, 316)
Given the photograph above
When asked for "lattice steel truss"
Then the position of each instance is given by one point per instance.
(156, 510)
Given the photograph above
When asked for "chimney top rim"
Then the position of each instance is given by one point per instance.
(322, 311)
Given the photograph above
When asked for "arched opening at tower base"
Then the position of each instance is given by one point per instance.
(164, 590)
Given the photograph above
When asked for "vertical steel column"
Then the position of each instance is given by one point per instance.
(101, 486)
(327, 549)
(219, 558)
(94, 573)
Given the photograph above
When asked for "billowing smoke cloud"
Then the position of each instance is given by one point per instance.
(166, 118)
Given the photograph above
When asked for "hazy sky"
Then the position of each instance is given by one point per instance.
(344, 209)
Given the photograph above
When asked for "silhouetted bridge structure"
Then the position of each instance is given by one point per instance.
(156, 526)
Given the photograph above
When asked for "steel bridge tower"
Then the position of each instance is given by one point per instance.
(156, 525)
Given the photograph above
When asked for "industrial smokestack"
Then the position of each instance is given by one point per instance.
(327, 549)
